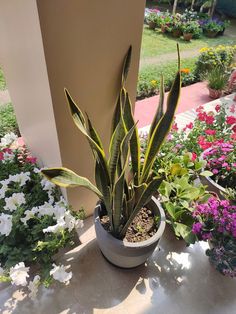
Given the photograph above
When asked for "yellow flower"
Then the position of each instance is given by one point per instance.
(153, 83)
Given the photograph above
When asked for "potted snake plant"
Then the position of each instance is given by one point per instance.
(125, 195)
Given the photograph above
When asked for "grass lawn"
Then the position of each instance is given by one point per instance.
(2, 81)
(154, 43)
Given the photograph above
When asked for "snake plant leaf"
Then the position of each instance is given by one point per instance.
(79, 121)
(66, 178)
(143, 200)
(134, 141)
(160, 109)
(103, 186)
(162, 128)
(114, 149)
(126, 66)
(93, 133)
(118, 109)
(76, 113)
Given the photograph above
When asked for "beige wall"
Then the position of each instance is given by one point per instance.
(84, 43)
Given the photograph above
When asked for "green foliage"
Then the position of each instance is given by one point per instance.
(8, 121)
(191, 27)
(2, 81)
(149, 77)
(217, 78)
(210, 58)
(123, 195)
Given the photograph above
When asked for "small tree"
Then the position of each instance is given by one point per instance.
(174, 7)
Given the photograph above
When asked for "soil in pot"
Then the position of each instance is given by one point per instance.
(142, 228)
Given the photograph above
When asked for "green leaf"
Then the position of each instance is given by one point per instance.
(66, 178)
(206, 173)
(160, 110)
(162, 128)
(185, 232)
(126, 66)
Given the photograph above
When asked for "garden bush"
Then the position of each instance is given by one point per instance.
(220, 56)
(149, 77)
(8, 121)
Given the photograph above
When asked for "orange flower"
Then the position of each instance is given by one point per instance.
(186, 71)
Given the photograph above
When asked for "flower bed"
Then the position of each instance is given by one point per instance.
(35, 221)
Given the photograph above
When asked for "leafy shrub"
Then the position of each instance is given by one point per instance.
(35, 221)
(8, 121)
(220, 56)
(149, 74)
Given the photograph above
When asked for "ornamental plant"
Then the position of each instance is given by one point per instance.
(179, 191)
(122, 194)
(209, 58)
(215, 221)
(190, 27)
(35, 221)
(221, 161)
(217, 79)
(212, 25)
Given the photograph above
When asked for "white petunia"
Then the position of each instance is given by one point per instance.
(72, 222)
(33, 287)
(8, 139)
(28, 215)
(36, 170)
(20, 178)
(59, 273)
(14, 201)
(61, 225)
(8, 157)
(3, 188)
(47, 185)
(59, 212)
(5, 224)
(18, 274)
(45, 209)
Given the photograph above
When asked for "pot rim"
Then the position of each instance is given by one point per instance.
(126, 244)
(219, 187)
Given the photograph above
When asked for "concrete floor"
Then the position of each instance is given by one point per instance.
(175, 280)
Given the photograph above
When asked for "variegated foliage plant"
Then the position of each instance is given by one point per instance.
(122, 194)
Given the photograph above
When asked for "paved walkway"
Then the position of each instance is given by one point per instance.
(191, 97)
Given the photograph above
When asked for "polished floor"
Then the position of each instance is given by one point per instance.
(175, 280)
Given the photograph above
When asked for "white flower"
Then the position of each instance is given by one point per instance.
(4, 188)
(5, 224)
(72, 222)
(47, 185)
(33, 287)
(59, 212)
(14, 201)
(61, 225)
(7, 157)
(20, 178)
(1, 270)
(59, 273)
(28, 215)
(18, 274)
(45, 209)
(8, 139)
(36, 170)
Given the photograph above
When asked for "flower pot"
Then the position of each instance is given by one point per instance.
(176, 33)
(163, 29)
(152, 25)
(126, 254)
(212, 186)
(187, 36)
(221, 33)
(215, 94)
(211, 34)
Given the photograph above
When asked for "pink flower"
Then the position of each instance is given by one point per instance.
(175, 127)
(189, 126)
(209, 119)
(215, 171)
(232, 108)
(199, 109)
(31, 160)
(210, 132)
(194, 156)
(230, 120)
(217, 108)
(1, 156)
